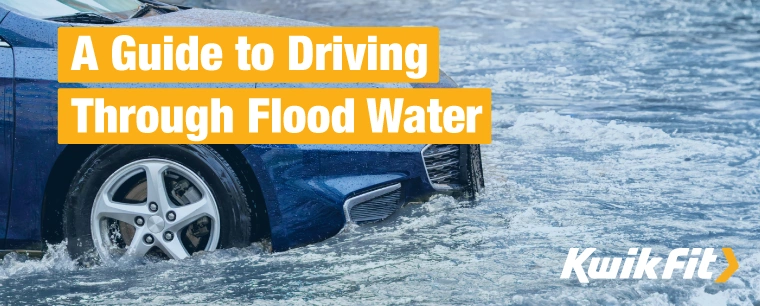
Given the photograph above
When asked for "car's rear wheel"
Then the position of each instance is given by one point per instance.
(157, 201)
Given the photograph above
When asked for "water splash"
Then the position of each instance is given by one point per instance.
(55, 260)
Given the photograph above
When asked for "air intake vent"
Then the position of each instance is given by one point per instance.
(375, 205)
(442, 163)
(376, 209)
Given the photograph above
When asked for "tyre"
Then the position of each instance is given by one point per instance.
(157, 201)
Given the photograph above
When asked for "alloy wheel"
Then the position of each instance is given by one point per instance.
(154, 207)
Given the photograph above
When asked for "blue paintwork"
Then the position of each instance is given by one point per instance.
(304, 186)
(6, 136)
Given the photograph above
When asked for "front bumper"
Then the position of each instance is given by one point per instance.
(452, 169)
(307, 188)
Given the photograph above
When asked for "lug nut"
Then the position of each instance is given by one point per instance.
(148, 239)
(168, 236)
(153, 206)
(139, 221)
(171, 216)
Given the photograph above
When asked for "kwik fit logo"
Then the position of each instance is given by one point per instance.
(687, 262)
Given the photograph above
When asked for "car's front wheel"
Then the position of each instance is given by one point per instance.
(166, 201)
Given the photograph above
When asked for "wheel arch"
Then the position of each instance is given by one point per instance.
(57, 186)
(72, 157)
(260, 228)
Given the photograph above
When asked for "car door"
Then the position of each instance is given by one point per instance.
(6, 134)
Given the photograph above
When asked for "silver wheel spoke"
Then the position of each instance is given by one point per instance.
(190, 213)
(174, 248)
(119, 211)
(154, 173)
(138, 247)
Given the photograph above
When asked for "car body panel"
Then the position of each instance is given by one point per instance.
(304, 186)
(6, 136)
(34, 104)
(35, 146)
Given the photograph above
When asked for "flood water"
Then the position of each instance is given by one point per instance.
(616, 124)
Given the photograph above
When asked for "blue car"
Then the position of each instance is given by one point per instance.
(170, 201)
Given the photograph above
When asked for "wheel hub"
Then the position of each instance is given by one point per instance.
(156, 224)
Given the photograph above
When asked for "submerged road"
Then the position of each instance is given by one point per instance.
(617, 124)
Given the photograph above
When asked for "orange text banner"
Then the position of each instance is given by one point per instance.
(274, 116)
(250, 54)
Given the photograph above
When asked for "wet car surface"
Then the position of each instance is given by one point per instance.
(617, 124)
